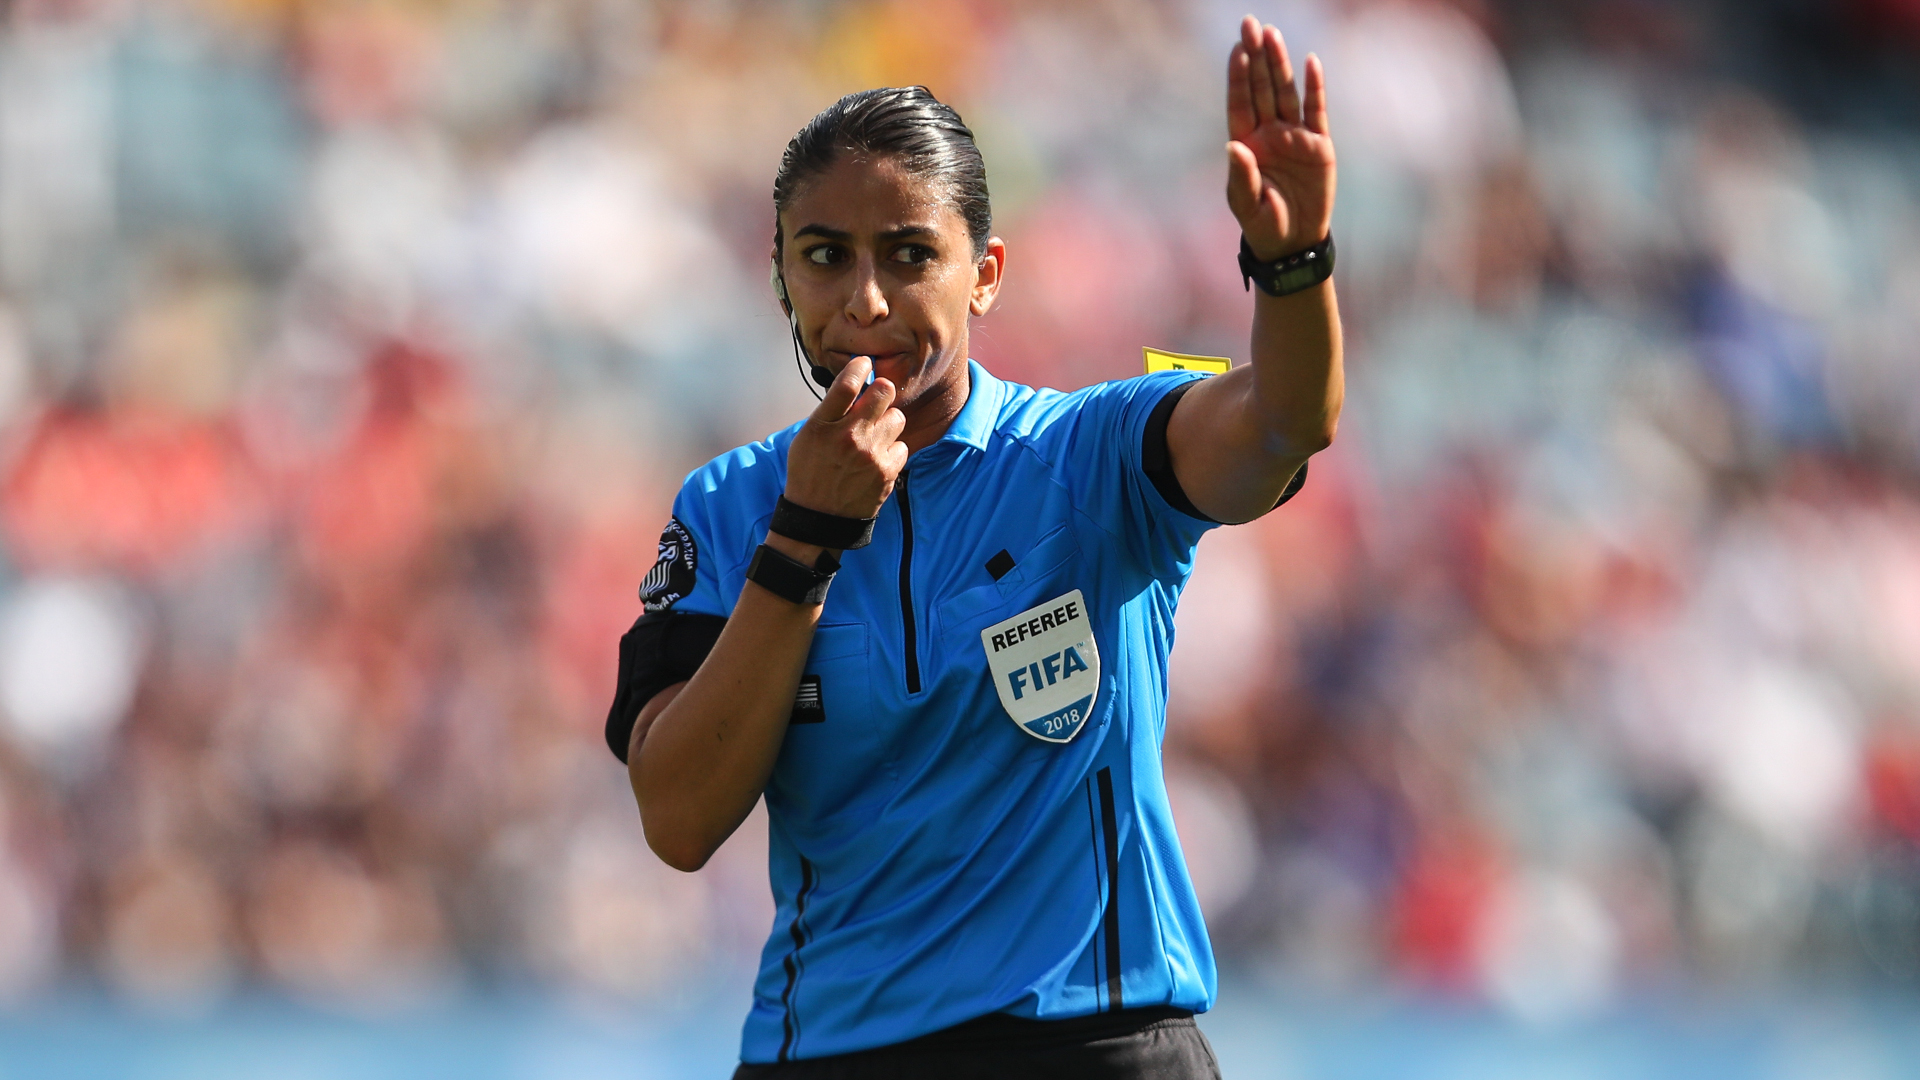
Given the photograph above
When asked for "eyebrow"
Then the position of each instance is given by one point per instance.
(907, 233)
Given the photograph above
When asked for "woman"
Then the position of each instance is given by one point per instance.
(959, 739)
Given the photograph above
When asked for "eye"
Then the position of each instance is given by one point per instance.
(912, 253)
(822, 254)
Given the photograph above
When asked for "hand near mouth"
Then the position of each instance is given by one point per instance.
(846, 457)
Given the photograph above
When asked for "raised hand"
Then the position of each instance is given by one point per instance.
(1280, 166)
(845, 459)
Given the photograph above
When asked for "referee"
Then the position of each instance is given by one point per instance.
(930, 623)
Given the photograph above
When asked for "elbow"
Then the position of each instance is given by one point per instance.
(1329, 425)
(684, 853)
(675, 840)
(1320, 432)
(686, 862)
(1321, 437)
(1304, 439)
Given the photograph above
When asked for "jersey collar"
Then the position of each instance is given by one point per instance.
(977, 419)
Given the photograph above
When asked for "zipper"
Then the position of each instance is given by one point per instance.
(906, 582)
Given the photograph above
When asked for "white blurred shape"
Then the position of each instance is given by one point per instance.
(1785, 755)
(1421, 87)
(1224, 630)
(1548, 951)
(56, 144)
(1216, 834)
(70, 655)
(595, 237)
(1889, 563)
(384, 213)
(1776, 239)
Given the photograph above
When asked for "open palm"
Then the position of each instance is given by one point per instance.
(1280, 167)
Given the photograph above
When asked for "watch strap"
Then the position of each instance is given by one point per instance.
(796, 522)
(1288, 273)
(790, 579)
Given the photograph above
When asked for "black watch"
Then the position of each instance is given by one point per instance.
(790, 579)
(1288, 273)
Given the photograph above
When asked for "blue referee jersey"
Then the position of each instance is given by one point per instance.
(968, 815)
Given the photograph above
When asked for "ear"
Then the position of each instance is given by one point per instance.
(987, 274)
(779, 283)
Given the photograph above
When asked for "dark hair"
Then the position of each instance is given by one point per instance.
(906, 123)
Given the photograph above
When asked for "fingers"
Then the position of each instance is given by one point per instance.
(873, 403)
(1316, 105)
(894, 459)
(845, 388)
(1260, 81)
(1287, 98)
(883, 423)
(890, 425)
(1259, 70)
(1240, 118)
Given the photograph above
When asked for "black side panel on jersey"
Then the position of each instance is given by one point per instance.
(663, 648)
(1157, 460)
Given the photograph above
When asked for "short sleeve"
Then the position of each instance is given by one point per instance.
(1124, 472)
(685, 575)
(1157, 459)
(1107, 467)
(684, 614)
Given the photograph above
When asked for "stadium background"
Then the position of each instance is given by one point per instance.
(1568, 724)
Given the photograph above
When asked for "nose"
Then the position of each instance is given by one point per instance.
(867, 304)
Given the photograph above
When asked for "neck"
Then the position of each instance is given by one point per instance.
(933, 412)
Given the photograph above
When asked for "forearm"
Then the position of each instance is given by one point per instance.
(1238, 438)
(698, 768)
(1298, 378)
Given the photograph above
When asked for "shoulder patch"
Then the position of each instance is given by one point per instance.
(671, 578)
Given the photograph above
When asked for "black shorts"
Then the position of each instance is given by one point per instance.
(1158, 1043)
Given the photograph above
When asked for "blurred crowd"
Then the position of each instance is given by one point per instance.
(351, 352)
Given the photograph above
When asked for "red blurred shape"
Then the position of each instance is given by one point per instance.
(129, 490)
(1437, 914)
(1893, 782)
(379, 500)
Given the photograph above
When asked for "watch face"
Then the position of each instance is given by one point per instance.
(788, 578)
(1289, 273)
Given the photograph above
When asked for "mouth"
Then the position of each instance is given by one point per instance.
(894, 359)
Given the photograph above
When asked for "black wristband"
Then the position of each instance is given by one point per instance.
(790, 579)
(1288, 273)
(796, 522)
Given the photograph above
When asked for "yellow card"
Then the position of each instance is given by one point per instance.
(1162, 360)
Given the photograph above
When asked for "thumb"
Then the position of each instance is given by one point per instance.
(846, 387)
(1243, 180)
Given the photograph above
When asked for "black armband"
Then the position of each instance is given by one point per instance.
(796, 522)
(1157, 461)
(661, 649)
